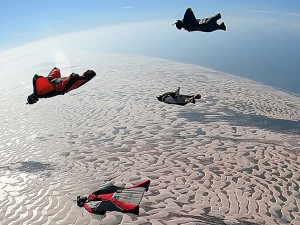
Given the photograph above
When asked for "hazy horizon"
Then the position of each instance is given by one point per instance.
(261, 41)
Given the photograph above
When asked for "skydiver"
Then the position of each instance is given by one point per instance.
(191, 23)
(178, 99)
(109, 197)
(54, 84)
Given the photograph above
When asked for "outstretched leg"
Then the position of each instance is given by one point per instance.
(193, 98)
(213, 27)
(222, 26)
(218, 16)
(197, 96)
(213, 19)
(76, 81)
(190, 99)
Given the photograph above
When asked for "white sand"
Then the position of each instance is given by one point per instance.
(232, 157)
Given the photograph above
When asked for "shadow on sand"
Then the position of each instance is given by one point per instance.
(239, 119)
(206, 219)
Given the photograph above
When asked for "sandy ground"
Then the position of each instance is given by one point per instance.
(231, 158)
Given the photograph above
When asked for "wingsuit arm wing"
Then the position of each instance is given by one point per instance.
(189, 18)
(107, 188)
(43, 88)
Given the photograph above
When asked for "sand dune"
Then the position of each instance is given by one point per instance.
(233, 157)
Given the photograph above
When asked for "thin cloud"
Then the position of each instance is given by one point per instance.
(55, 21)
(263, 11)
(17, 35)
(294, 14)
(274, 12)
(127, 7)
(295, 23)
(5, 48)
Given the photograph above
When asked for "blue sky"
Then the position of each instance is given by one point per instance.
(261, 42)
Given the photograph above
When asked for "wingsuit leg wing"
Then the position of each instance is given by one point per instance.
(108, 202)
(75, 81)
(210, 24)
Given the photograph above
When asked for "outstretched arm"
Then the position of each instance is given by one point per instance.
(189, 18)
(107, 188)
(177, 92)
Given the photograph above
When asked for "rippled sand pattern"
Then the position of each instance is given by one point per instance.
(232, 158)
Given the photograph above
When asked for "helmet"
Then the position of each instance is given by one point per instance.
(31, 99)
(179, 24)
(81, 200)
(159, 98)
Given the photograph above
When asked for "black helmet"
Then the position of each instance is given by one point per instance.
(81, 200)
(159, 98)
(31, 99)
(179, 24)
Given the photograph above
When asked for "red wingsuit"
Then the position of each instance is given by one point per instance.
(113, 198)
(54, 84)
